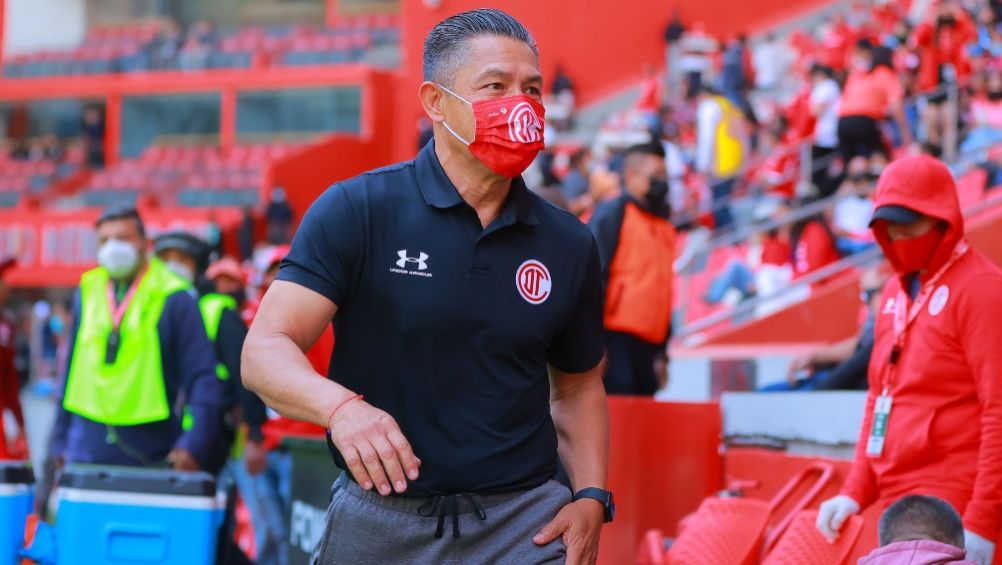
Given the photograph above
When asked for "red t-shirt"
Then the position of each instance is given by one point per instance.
(870, 93)
(815, 249)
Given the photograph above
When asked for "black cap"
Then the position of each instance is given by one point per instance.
(896, 214)
(185, 243)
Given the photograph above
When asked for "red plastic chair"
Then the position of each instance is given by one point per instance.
(803, 544)
(724, 531)
(777, 524)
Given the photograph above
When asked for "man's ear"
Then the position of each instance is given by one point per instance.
(431, 100)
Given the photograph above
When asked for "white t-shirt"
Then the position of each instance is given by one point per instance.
(826, 93)
(852, 215)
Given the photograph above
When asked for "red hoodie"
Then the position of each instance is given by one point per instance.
(917, 552)
(944, 432)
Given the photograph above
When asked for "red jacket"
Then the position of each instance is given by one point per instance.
(944, 432)
(949, 47)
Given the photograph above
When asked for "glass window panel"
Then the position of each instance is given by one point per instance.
(190, 119)
(292, 112)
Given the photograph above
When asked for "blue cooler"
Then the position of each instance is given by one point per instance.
(115, 515)
(17, 491)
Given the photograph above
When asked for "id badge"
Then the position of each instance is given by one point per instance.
(111, 353)
(878, 431)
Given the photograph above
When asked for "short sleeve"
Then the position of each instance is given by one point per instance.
(328, 247)
(580, 344)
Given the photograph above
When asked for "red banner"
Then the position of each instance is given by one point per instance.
(54, 248)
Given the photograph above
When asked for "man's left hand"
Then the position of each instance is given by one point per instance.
(580, 524)
(979, 550)
(181, 460)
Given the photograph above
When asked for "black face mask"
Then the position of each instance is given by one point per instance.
(995, 95)
(656, 194)
(859, 178)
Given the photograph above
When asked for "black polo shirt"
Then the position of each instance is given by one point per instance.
(449, 327)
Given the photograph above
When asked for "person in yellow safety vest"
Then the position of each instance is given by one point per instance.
(139, 347)
(188, 257)
(721, 149)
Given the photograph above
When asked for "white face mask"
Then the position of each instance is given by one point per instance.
(119, 258)
(181, 270)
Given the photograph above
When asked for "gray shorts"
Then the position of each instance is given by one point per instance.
(364, 527)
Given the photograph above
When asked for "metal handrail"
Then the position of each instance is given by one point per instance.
(859, 260)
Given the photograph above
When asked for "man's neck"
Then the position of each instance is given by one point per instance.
(483, 190)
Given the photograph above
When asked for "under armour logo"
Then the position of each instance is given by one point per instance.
(421, 260)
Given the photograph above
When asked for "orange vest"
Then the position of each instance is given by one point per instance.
(639, 300)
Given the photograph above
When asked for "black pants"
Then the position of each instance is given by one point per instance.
(820, 176)
(630, 365)
(858, 136)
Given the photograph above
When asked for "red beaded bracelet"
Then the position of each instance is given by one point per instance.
(338, 407)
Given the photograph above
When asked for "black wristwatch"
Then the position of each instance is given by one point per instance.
(603, 496)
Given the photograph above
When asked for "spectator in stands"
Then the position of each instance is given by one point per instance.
(766, 269)
(672, 36)
(574, 186)
(989, 35)
(560, 106)
(842, 365)
(698, 49)
(138, 326)
(942, 41)
(164, 48)
(194, 55)
(919, 530)
(779, 173)
(825, 96)
(676, 165)
(732, 73)
(636, 245)
(10, 380)
(933, 414)
(986, 117)
(872, 92)
(649, 102)
(92, 134)
(851, 217)
(771, 60)
(812, 244)
(278, 217)
(721, 149)
(21, 150)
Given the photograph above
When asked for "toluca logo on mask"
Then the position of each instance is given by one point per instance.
(509, 132)
(119, 258)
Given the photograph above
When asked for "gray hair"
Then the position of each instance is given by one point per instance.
(443, 48)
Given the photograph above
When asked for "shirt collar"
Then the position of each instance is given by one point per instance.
(439, 192)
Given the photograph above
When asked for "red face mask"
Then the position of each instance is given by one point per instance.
(913, 255)
(509, 132)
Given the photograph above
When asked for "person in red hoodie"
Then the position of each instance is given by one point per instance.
(933, 419)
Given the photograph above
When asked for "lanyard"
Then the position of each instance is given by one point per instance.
(904, 316)
(118, 309)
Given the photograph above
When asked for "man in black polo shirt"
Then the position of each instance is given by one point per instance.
(468, 314)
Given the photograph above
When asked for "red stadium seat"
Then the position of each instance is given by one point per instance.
(803, 543)
(724, 531)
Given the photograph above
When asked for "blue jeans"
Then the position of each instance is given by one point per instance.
(721, 190)
(267, 497)
(735, 275)
(802, 385)
(847, 246)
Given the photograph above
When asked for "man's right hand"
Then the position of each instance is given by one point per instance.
(833, 513)
(799, 364)
(372, 445)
